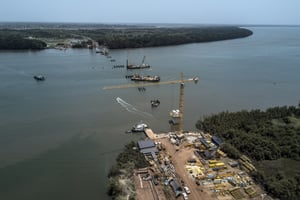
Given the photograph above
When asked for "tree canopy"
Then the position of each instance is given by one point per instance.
(151, 37)
(19, 42)
(270, 138)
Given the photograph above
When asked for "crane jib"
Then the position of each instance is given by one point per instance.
(150, 84)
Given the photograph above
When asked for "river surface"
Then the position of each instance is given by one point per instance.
(59, 138)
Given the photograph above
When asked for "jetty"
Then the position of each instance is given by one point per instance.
(150, 134)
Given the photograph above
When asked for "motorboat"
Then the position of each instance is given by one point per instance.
(139, 127)
(155, 103)
(175, 113)
(39, 77)
(175, 117)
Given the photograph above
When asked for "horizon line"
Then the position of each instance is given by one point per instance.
(148, 23)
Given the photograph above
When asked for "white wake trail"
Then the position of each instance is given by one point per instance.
(130, 108)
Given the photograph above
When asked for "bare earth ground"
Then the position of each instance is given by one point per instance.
(146, 190)
(143, 189)
(179, 159)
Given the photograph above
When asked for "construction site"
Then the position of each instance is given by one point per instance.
(190, 165)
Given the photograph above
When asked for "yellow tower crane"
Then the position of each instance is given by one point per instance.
(182, 81)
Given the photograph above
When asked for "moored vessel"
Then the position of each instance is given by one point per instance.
(174, 113)
(137, 77)
(139, 127)
(143, 65)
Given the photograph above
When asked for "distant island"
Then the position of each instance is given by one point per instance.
(37, 36)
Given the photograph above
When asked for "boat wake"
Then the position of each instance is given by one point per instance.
(130, 108)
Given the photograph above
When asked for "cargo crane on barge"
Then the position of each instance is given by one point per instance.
(181, 82)
(143, 65)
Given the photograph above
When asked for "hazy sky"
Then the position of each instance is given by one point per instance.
(280, 12)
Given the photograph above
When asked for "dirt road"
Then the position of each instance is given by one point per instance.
(179, 159)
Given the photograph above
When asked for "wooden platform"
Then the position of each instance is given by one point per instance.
(149, 133)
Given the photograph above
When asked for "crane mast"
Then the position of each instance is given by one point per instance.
(181, 103)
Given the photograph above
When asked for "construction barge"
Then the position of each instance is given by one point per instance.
(143, 65)
(138, 77)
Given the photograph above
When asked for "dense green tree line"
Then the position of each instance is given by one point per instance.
(19, 42)
(268, 135)
(261, 135)
(133, 37)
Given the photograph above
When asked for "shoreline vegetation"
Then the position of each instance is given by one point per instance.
(270, 138)
(120, 176)
(113, 37)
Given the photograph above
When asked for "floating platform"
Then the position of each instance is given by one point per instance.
(149, 133)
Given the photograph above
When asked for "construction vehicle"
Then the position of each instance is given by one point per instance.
(182, 81)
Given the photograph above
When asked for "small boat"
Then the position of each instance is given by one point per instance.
(155, 103)
(139, 127)
(98, 50)
(102, 50)
(137, 77)
(39, 77)
(175, 113)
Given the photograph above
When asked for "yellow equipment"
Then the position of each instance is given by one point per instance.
(181, 93)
